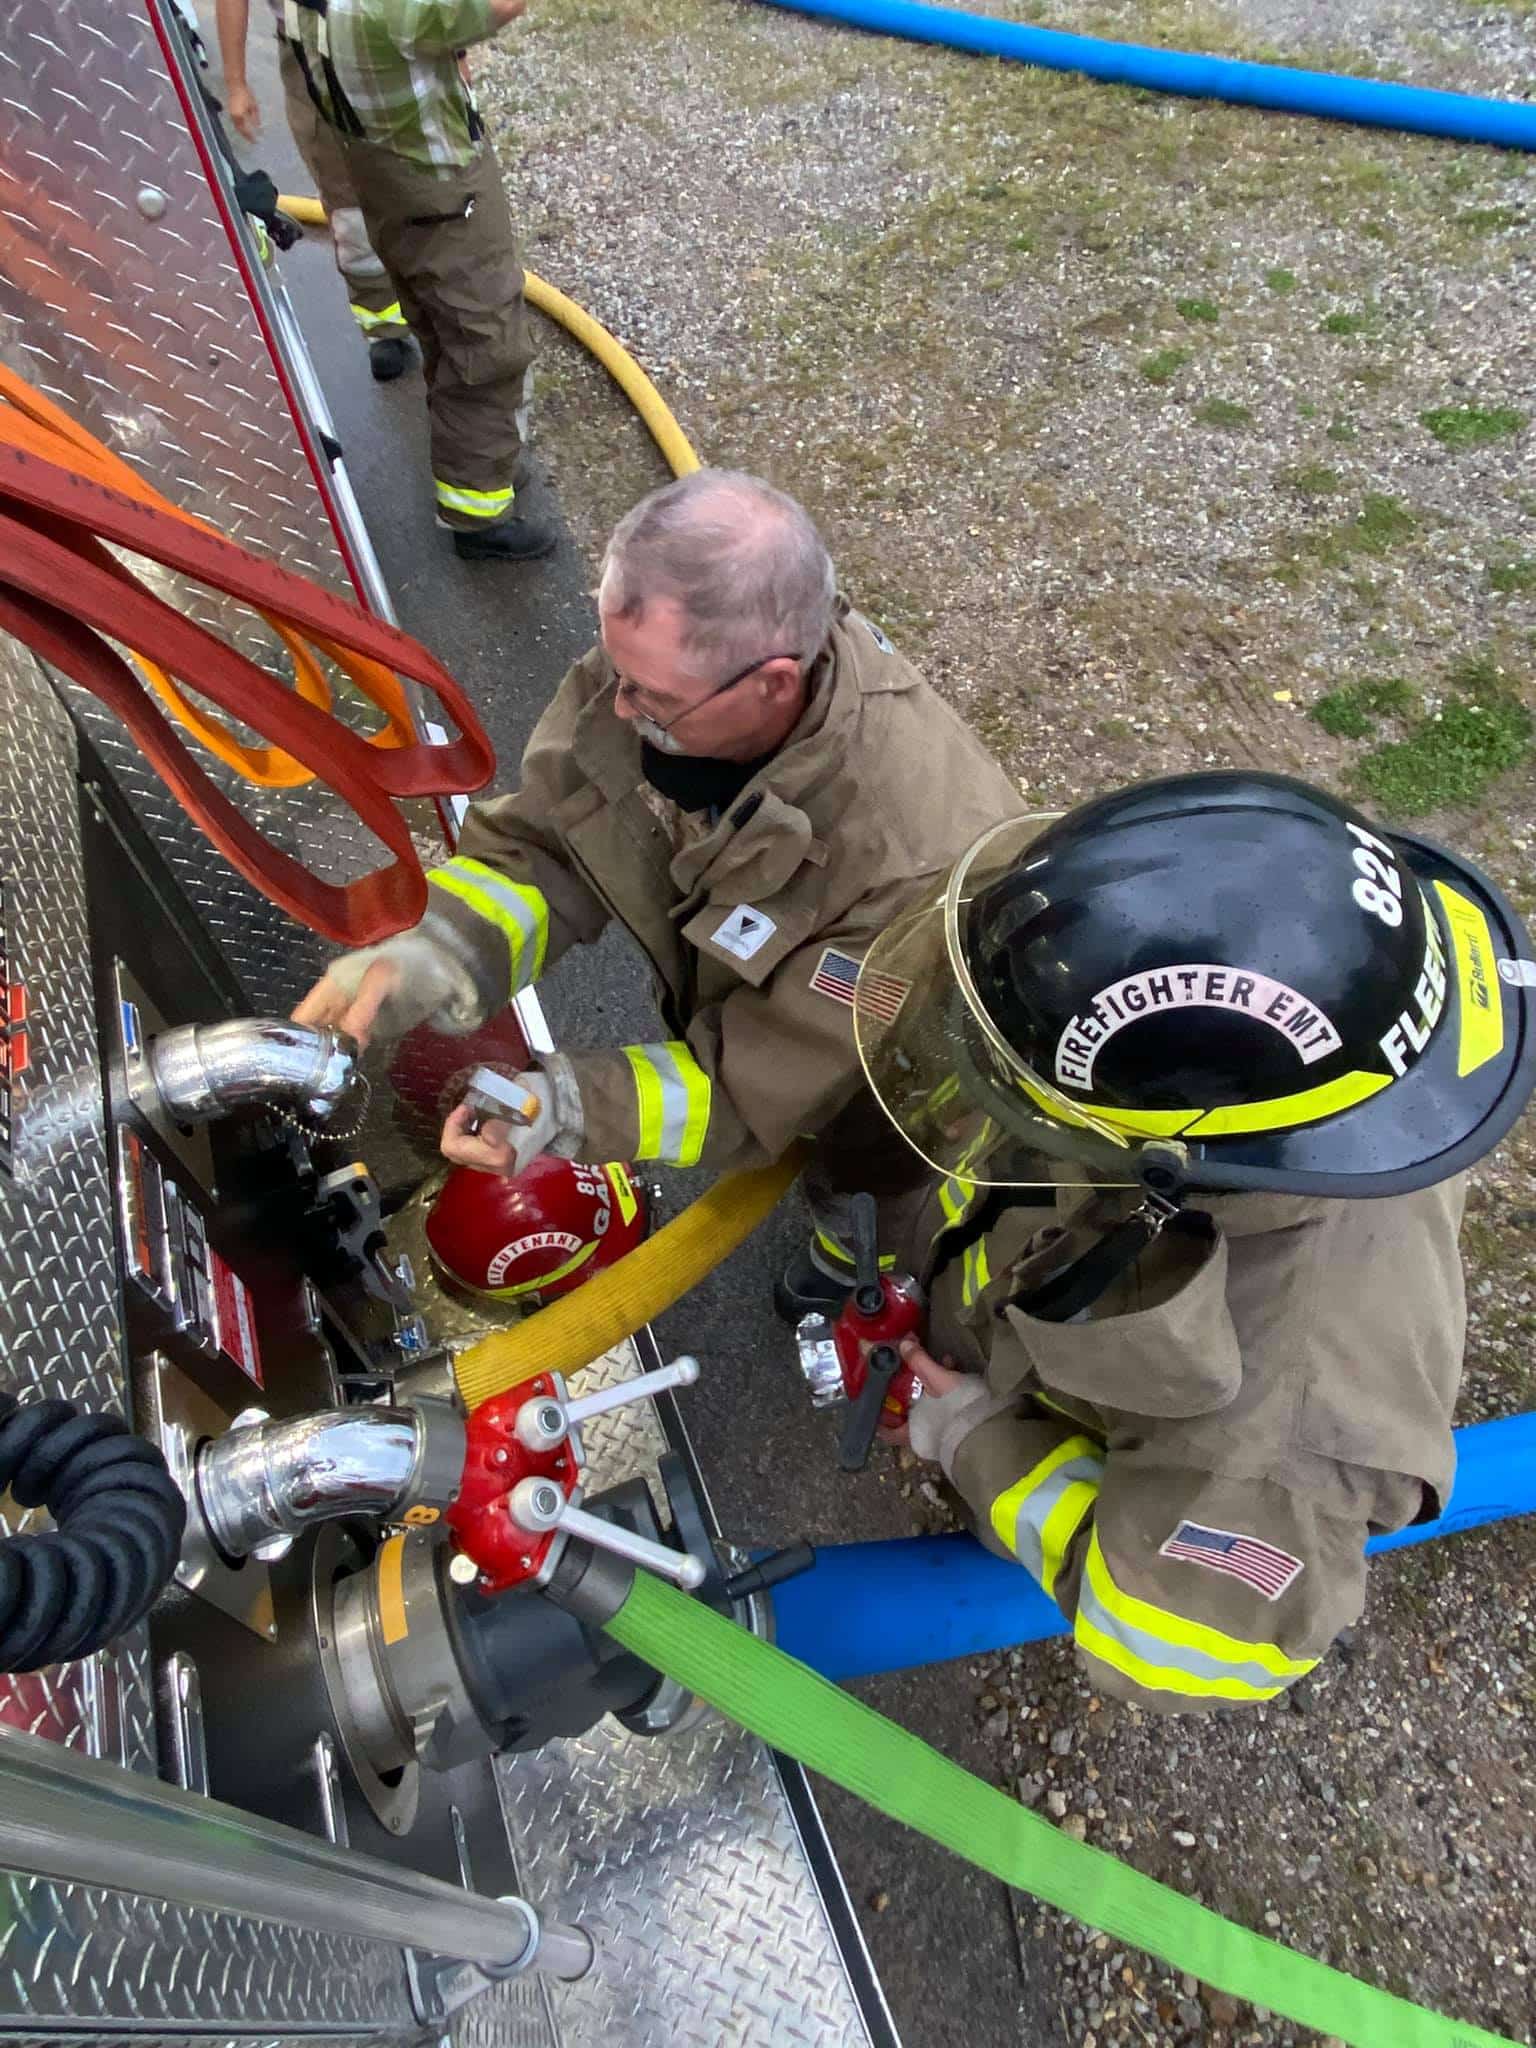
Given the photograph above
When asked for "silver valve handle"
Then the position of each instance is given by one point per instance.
(538, 1505)
(540, 1425)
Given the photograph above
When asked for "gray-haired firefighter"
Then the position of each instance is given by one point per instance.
(1165, 1048)
(748, 777)
(371, 296)
(387, 76)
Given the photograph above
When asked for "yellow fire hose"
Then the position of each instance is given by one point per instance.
(593, 336)
(571, 1332)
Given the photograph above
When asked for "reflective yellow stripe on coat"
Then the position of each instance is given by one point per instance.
(1165, 1652)
(1038, 1515)
(517, 910)
(673, 1100)
(975, 1273)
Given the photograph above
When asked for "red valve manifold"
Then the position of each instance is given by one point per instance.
(494, 1462)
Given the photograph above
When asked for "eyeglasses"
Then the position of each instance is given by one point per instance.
(638, 696)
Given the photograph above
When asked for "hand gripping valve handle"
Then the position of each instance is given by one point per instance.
(856, 1359)
(520, 1499)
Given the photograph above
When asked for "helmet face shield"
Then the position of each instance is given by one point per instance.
(953, 1086)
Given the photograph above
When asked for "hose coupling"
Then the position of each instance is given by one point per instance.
(264, 1482)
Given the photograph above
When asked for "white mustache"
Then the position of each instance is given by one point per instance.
(658, 736)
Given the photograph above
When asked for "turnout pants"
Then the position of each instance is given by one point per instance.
(374, 302)
(447, 242)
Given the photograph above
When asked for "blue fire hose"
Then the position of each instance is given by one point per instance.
(1377, 103)
(868, 1607)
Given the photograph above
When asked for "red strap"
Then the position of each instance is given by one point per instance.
(462, 765)
(353, 914)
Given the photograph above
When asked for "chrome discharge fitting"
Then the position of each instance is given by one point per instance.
(207, 1071)
(266, 1480)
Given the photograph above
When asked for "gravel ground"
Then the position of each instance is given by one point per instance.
(1112, 409)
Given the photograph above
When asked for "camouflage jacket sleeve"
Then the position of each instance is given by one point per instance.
(510, 902)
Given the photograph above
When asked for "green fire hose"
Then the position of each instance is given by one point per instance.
(795, 1710)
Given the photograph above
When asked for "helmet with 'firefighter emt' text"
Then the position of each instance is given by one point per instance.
(537, 1236)
(1222, 981)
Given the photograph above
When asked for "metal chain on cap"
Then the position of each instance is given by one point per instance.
(307, 1129)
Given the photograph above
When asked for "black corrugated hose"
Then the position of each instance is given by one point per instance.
(119, 1518)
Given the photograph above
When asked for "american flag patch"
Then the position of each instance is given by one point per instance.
(837, 975)
(1260, 1565)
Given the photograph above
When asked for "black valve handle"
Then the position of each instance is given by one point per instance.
(863, 1417)
(868, 1294)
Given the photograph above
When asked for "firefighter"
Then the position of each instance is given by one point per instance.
(1164, 1048)
(390, 77)
(371, 296)
(747, 776)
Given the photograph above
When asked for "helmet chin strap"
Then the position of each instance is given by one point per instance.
(1078, 1286)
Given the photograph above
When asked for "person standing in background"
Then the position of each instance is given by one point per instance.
(374, 303)
(389, 78)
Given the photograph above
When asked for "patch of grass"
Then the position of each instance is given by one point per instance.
(1282, 282)
(1164, 365)
(1343, 429)
(1344, 323)
(1450, 757)
(1487, 220)
(1514, 576)
(1192, 310)
(1223, 412)
(1381, 523)
(1350, 713)
(1472, 426)
(1309, 479)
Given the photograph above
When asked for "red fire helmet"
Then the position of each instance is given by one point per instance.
(538, 1236)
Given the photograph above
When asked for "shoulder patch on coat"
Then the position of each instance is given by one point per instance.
(1258, 1564)
(876, 635)
(745, 932)
(836, 975)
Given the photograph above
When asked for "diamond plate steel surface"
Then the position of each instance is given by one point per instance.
(135, 316)
(58, 1281)
(515, 2014)
(679, 1854)
(72, 1952)
(78, 1952)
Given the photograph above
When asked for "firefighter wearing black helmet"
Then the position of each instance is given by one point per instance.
(1164, 1049)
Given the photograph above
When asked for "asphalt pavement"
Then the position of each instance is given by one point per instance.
(942, 1935)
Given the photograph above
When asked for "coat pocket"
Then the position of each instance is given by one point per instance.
(1178, 1358)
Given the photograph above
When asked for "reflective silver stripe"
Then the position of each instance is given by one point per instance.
(1189, 1658)
(674, 1100)
(517, 910)
(1033, 1505)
